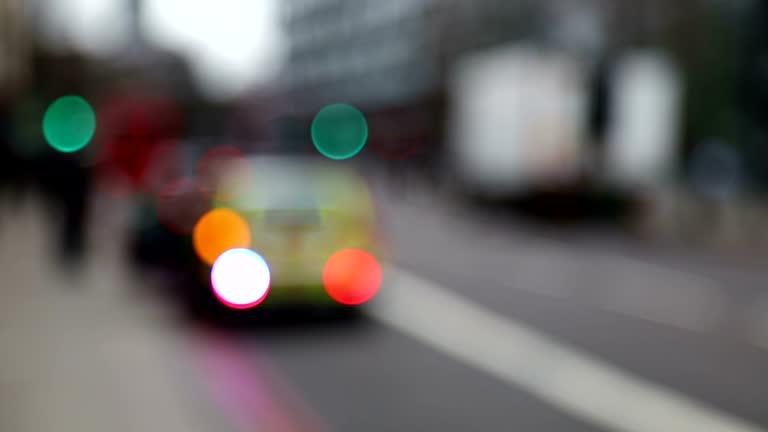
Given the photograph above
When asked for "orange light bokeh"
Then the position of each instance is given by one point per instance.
(218, 231)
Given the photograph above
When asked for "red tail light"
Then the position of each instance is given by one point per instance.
(352, 276)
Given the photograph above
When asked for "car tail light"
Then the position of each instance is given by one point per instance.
(352, 276)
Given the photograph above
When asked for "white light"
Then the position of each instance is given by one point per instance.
(240, 278)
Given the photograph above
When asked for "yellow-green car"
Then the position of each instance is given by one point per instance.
(313, 223)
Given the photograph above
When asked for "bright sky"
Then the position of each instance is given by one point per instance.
(81, 22)
(232, 43)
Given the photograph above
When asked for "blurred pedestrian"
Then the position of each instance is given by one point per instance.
(66, 184)
(5, 144)
(63, 178)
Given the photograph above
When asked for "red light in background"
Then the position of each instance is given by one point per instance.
(164, 165)
(214, 165)
(134, 121)
(180, 204)
(352, 276)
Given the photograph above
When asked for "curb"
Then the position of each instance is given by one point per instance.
(676, 215)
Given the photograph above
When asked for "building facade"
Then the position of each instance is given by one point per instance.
(366, 52)
(380, 56)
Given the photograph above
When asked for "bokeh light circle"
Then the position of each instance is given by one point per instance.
(218, 231)
(164, 164)
(138, 137)
(339, 131)
(352, 276)
(240, 278)
(69, 124)
(221, 170)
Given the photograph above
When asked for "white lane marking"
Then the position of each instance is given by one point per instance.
(569, 380)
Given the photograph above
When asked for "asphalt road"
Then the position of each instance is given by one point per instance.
(487, 324)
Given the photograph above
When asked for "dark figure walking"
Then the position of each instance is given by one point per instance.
(66, 186)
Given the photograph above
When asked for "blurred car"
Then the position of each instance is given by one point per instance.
(310, 224)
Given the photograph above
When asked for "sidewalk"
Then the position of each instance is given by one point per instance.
(80, 353)
(675, 215)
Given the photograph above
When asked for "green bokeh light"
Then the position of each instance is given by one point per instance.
(339, 131)
(69, 124)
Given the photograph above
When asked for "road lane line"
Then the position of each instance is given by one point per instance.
(566, 378)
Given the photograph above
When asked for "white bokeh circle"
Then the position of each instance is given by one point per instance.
(240, 278)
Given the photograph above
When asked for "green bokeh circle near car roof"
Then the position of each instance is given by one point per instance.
(339, 131)
(69, 124)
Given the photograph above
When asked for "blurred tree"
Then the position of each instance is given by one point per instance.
(754, 91)
(706, 38)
